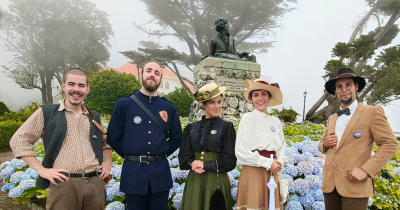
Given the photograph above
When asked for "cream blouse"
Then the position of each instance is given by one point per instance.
(259, 131)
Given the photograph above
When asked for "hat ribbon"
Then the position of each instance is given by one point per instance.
(345, 74)
(205, 95)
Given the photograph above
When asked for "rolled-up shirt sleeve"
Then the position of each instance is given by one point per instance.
(22, 142)
(243, 151)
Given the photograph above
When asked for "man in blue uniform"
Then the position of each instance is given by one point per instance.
(146, 176)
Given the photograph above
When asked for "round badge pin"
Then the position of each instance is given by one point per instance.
(213, 131)
(357, 134)
(137, 120)
(273, 129)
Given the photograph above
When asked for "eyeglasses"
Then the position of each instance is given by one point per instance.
(339, 89)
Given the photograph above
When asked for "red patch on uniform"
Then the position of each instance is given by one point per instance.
(164, 115)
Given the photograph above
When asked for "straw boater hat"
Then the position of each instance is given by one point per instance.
(344, 73)
(261, 84)
(208, 92)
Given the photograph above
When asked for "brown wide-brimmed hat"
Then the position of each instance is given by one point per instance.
(261, 84)
(344, 73)
(208, 91)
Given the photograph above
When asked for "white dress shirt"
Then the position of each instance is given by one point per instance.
(259, 131)
(343, 120)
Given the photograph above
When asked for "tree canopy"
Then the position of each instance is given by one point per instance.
(192, 22)
(107, 86)
(380, 71)
(49, 36)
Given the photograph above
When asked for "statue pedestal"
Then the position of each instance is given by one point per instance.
(230, 74)
(226, 73)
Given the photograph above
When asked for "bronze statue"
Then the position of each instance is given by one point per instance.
(223, 44)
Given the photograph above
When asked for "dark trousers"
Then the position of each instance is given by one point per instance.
(157, 201)
(334, 201)
(77, 193)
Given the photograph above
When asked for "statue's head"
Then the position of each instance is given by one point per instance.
(221, 24)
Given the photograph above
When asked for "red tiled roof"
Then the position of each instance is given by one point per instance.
(130, 68)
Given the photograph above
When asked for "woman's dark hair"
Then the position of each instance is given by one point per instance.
(251, 94)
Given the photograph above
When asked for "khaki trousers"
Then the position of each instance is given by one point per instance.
(77, 194)
(334, 201)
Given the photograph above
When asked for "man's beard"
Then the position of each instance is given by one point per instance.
(347, 101)
(150, 87)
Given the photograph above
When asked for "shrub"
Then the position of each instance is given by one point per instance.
(7, 130)
(181, 99)
(107, 86)
(286, 115)
(3, 108)
(21, 115)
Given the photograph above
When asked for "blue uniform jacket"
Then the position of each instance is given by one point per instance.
(132, 132)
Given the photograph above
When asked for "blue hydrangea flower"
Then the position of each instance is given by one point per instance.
(235, 173)
(301, 186)
(175, 162)
(16, 192)
(291, 151)
(293, 205)
(317, 194)
(234, 193)
(305, 168)
(370, 201)
(4, 164)
(293, 197)
(298, 158)
(308, 156)
(306, 200)
(177, 200)
(171, 193)
(6, 187)
(27, 184)
(291, 170)
(290, 160)
(314, 181)
(32, 173)
(17, 163)
(16, 177)
(318, 205)
(286, 176)
(116, 205)
(116, 171)
(6, 172)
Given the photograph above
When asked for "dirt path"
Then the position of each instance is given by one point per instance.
(6, 203)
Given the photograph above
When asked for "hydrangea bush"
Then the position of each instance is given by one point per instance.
(303, 172)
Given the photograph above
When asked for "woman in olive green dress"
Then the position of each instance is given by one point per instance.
(207, 146)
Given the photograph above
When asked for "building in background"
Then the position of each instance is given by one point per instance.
(168, 83)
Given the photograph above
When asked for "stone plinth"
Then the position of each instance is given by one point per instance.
(230, 74)
(227, 73)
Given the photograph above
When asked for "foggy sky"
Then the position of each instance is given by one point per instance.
(302, 48)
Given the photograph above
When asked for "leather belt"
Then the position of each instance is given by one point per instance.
(145, 158)
(82, 175)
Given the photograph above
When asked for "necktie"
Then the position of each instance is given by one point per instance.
(344, 111)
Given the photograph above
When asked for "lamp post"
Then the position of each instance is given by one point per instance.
(304, 107)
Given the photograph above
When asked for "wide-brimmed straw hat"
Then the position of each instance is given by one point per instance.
(344, 73)
(208, 91)
(261, 84)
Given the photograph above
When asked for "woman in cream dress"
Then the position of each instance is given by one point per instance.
(260, 135)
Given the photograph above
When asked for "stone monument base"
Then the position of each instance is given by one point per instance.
(230, 74)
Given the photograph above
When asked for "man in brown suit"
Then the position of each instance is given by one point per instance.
(349, 136)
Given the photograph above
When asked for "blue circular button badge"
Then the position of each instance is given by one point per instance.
(213, 131)
(137, 120)
(273, 129)
(357, 134)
